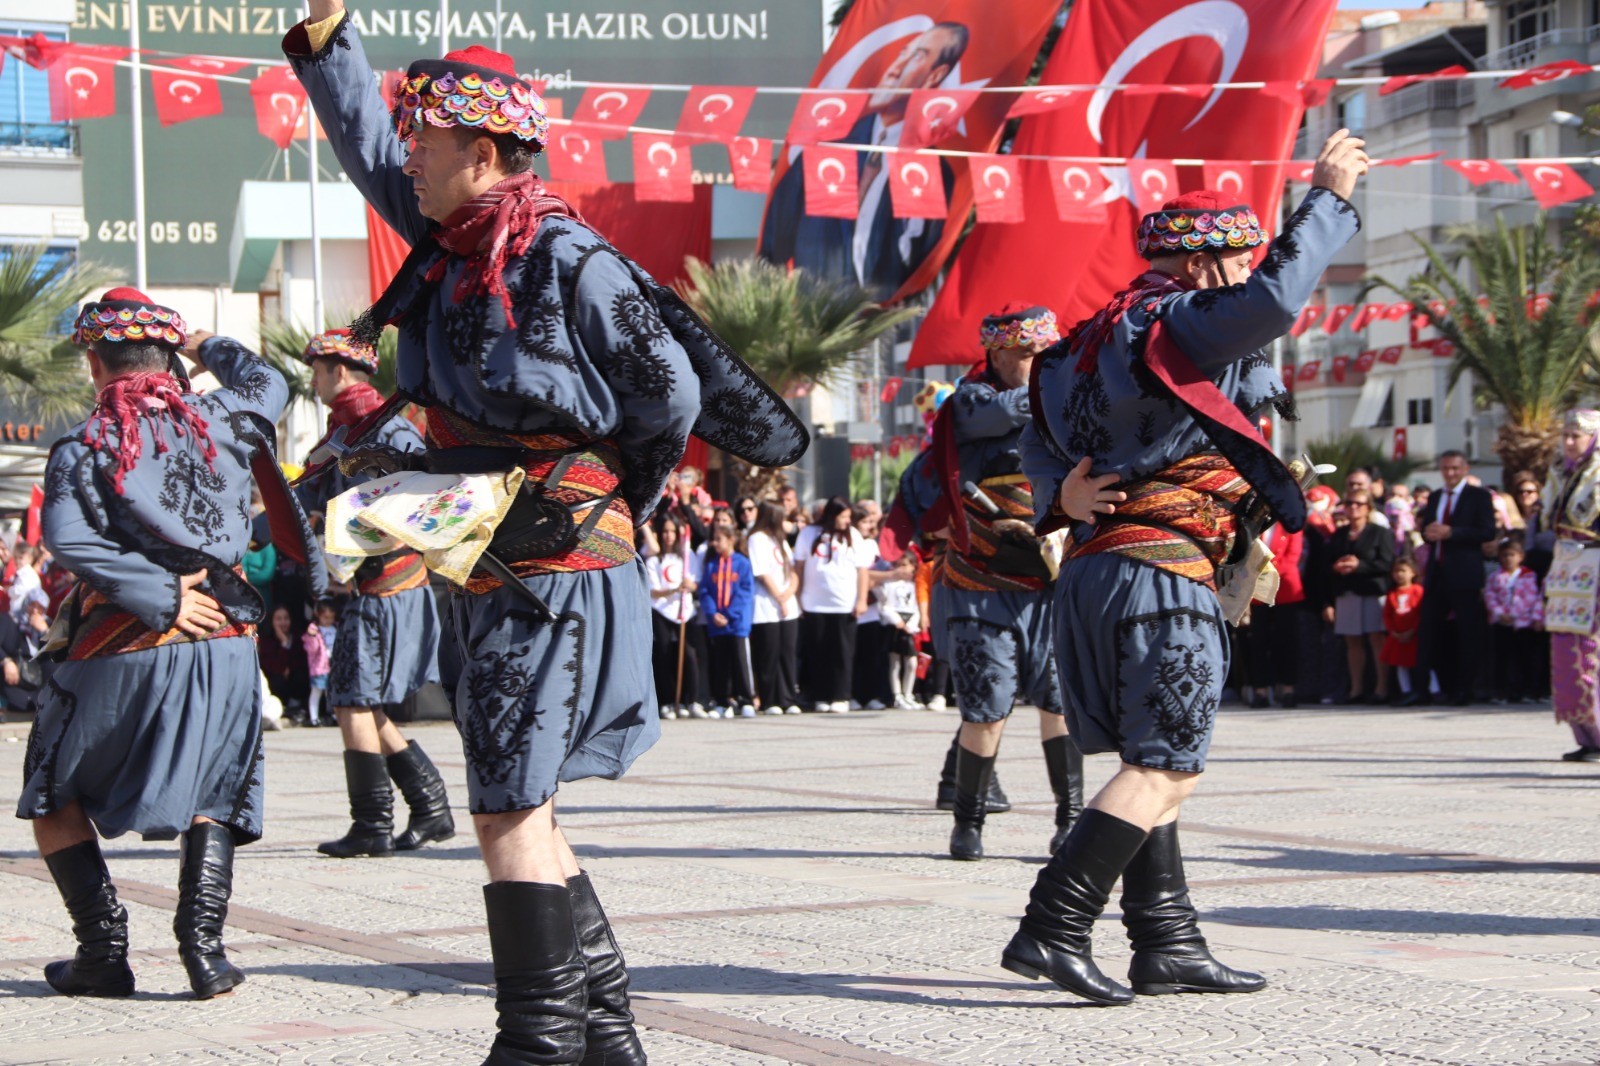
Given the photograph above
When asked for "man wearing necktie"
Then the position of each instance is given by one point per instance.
(1456, 523)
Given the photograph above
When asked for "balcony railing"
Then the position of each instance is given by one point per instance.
(1432, 97)
(39, 138)
(1526, 53)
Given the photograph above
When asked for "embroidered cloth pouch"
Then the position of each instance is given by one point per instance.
(1570, 587)
(449, 518)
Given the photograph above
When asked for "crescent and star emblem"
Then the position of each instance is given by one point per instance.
(1540, 172)
(948, 105)
(577, 156)
(184, 90)
(727, 106)
(829, 102)
(83, 93)
(1078, 192)
(999, 190)
(1230, 176)
(822, 172)
(671, 153)
(915, 168)
(291, 112)
(601, 111)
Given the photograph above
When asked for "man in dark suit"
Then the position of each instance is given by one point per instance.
(890, 249)
(1453, 638)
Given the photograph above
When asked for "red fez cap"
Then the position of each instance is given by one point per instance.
(126, 294)
(484, 59)
(1200, 200)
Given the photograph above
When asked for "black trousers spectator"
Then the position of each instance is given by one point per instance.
(829, 647)
(1516, 657)
(731, 680)
(1272, 644)
(936, 682)
(1455, 648)
(665, 658)
(774, 652)
(870, 680)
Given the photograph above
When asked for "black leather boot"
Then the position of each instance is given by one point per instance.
(973, 773)
(539, 977)
(999, 802)
(609, 1036)
(423, 789)
(1069, 894)
(371, 809)
(205, 881)
(1169, 954)
(100, 968)
(1064, 763)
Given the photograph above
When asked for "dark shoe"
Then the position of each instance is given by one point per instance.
(371, 809)
(1064, 763)
(423, 789)
(1169, 954)
(1287, 700)
(539, 977)
(205, 881)
(998, 803)
(1053, 940)
(1259, 702)
(1413, 699)
(1583, 754)
(610, 1038)
(973, 773)
(100, 968)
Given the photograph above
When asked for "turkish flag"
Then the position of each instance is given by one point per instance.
(1390, 355)
(1365, 317)
(279, 101)
(1443, 349)
(891, 389)
(934, 115)
(824, 116)
(1288, 376)
(661, 170)
(1037, 102)
(751, 161)
(1482, 171)
(1400, 81)
(883, 81)
(31, 524)
(1315, 93)
(1336, 316)
(1399, 442)
(1154, 182)
(188, 89)
(1300, 171)
(613, 110)
(83, 83)
(1080, 190)
(997, 187)
(386, 251)
(577, 155)
(1554, 183)
(1232, 178)
(830, 177)
(1395, 312)
(1407, 160)
(1309, 316)
(916, 185)
(715, 112)
(1137, 42)
(1341, 366)
(1365, 360)
(1546, 73)
(1310, 370)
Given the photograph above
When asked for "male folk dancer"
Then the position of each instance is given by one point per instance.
(1158, 394)
(388, 641)
(552, 367)
(152, 721)
(996, 597)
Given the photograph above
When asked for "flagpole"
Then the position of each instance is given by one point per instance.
(444, 28)
(140, 264)
(317, 319)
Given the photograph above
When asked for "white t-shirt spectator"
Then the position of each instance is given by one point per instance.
(666, 572)
(828, 571)
(899, 599)
(774, 560)
(874, 557)
(24, 583)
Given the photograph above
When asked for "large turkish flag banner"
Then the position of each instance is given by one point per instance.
(1075, 267)
(913, 63)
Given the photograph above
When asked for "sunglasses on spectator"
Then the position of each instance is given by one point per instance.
(1357, 503)
(1526, 489)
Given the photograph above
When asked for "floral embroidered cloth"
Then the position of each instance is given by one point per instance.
(449, 518)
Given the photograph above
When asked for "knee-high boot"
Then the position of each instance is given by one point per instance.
(973, 774)
(371, 808)
(1064, 763)
(609, 1035)
(539, 977)
(1053, 940)
(100, 968)
(1169, 953)
(205, 882)
(999, 802)
(424, 791)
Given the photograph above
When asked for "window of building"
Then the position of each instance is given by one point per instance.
(1531, 143)
(1419, 412)
(1526, 19)
(25, 101)
(1353, 111)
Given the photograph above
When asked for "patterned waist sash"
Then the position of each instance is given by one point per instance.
(593, 470)
(1180, 519)
(101, 628)
(994, 561)
(392, 574)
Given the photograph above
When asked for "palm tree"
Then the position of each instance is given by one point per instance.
(40, 369)
(1526, 354)
(282, 343)
(1349, 450)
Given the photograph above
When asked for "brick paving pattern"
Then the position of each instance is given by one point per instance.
(1420, 887)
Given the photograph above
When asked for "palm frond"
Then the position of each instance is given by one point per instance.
(283, 342)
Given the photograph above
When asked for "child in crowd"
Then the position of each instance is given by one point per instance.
(727, 600)
(897, 608)
(318, 641)
(1402, 608)
(1516, 613)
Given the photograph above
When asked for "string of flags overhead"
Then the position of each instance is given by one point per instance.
(187, 87)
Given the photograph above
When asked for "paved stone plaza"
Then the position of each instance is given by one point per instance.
(1420, 887)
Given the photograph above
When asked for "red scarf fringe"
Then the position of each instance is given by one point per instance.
(120, 405)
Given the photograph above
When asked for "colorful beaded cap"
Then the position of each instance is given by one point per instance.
(1020, 328)
(128, 315)
(1169, 232)
(472, 88)
(338, 344)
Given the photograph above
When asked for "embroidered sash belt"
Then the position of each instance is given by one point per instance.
(391, 574)
(1002, 554)
(101, 628)
(1181, 519)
